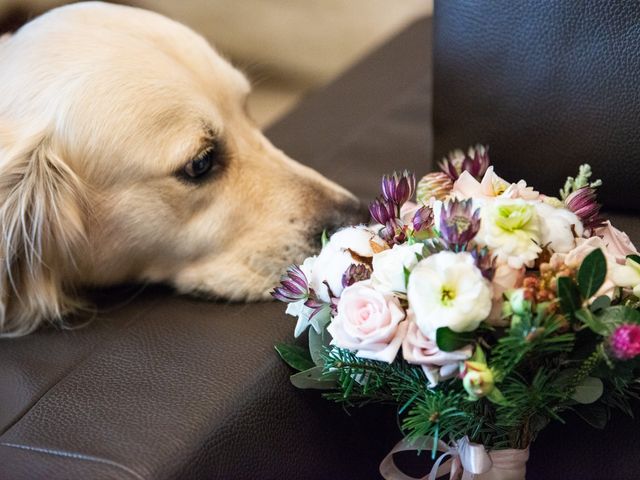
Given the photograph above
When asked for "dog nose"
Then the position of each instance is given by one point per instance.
(352, 212)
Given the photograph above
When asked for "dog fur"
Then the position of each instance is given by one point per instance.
(102, 108)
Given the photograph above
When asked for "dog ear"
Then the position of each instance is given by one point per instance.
(42, 215)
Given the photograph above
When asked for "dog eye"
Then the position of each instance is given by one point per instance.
(200, 165)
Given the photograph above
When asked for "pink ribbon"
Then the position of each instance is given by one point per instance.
(461, 460)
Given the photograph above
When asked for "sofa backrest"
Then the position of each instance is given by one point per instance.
(548, 84)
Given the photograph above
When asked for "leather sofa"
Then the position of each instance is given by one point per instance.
(154, 385)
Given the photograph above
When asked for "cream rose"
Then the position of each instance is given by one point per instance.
(437, 365)
(369, 322)
(448, 290)
(618, 243)
(336, 257)
(389, 267)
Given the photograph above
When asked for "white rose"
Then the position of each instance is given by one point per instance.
(557, 226)
(448, 290)
(335, 258)
(369, 322)
(388, 267)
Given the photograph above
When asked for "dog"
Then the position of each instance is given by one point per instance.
(127, 155)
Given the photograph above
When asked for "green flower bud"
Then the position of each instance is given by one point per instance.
(477, 379)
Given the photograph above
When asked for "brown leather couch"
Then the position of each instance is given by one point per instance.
(160, 386)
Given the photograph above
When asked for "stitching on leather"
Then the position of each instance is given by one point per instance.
(75, 456)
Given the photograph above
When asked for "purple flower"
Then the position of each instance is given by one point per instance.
(476, 162)
(625, 341)
(382, 210)
(423, 218)
(293, 286)
(398, 189)
(485, 262)
(459, 224)
(355, 273)
(583, 203)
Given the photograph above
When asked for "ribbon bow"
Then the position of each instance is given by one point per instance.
(465, 458)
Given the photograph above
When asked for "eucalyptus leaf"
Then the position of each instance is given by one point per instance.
(317, 344)
(294, 356)
(569, 295)
(588, 391)
(595, 414)
(592, 273)
(313, 378)
(634, 258)
(448, 340)
(592, 321)
(600, 303)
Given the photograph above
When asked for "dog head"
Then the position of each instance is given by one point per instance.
(126, 154)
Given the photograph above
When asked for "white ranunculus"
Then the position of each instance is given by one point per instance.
(557, 227)
(389, 267)
(335, 258)
(448, 290)
(511, 230)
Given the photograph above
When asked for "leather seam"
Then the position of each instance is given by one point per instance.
(74, 456)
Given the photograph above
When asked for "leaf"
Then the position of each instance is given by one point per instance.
(594, 414)
(294, 356)
(592, 321)
(313, 378)
(317, 342)
(569, 295)
(496, 396)
(600, 303)
(634, 258)
(588, 391)
(448, 340)
(592, 273)
(619, 314)
(406, 273)
(325, 238)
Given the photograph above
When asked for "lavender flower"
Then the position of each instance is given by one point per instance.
(398, 189)
(382, 210)
(459, 224)
(583, 203)
(294, 286)
(476, 162)
(355, 273)
(423, 218)
(625, 341)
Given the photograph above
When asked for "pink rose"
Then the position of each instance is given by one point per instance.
(504, 278)
(618, 243)
(437, 365)
(369, 322)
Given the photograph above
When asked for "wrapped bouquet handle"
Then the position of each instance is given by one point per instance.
(467, 461)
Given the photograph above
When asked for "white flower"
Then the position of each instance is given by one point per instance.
(448, 290)
(336, 257)
(389, 267)
(627, 275)
(510, 228)
(299, 309)
(557, 227)
(369, 322)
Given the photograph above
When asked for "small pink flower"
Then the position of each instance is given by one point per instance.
(625, 341)
(369, 322)
(437, 365)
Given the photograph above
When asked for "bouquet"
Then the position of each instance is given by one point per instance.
(482, 311)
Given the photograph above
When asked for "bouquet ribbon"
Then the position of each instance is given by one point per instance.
(466, 460)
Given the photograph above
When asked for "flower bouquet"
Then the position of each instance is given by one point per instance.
(482, 311)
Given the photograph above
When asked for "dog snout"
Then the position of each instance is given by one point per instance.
(351, 212)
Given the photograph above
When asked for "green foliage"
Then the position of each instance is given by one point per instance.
(592, 273)
(569, 295)
(448, 340)
(295, 356)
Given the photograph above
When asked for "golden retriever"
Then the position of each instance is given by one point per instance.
(127, 155)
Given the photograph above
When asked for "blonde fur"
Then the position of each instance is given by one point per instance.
(101, 107)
